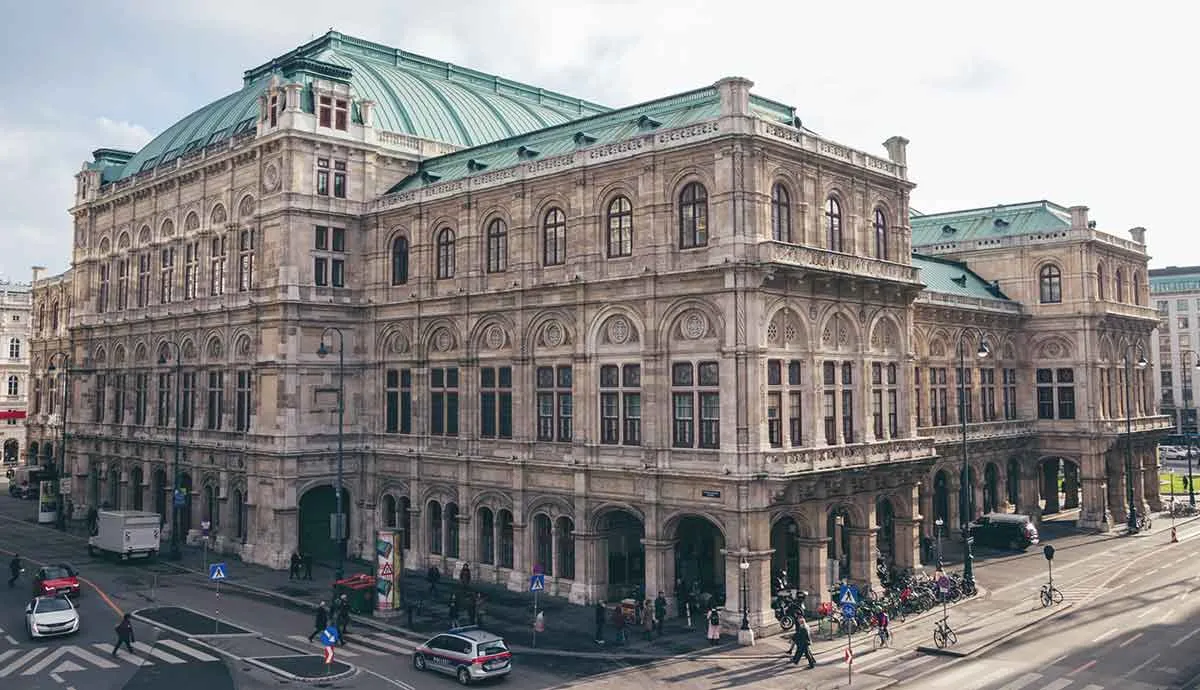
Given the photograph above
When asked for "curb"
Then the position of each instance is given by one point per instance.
(253, 661)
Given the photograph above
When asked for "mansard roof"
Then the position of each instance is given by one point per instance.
(954, 278)
(991, 222)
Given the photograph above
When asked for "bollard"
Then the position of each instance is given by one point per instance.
(1174, 536)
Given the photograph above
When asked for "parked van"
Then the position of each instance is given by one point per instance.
(1005, 531)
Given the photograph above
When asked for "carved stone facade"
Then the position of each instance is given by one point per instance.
(640, 362)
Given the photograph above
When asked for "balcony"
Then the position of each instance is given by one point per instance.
(848, 457)
(1133, 311)
(834, 263)
(980, 431)
(1139, 425)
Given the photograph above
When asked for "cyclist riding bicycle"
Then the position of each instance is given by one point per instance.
(881, 621)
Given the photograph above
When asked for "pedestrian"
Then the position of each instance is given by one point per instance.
(802, 644)
(124, 632)
(639, 612)
(93, 517)
(433, 576)
(600, 614)
(320, 621)
(453, 610)
(14, 570)
(687, 614)
(660, 612)
(307, 559)
(472, 609)
(648, 625)
(714, 627)
(294, 570)
(464, 576)
(618, 621)
(479, 604)
(342, 620)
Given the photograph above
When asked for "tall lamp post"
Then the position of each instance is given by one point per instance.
(1129, 493)
(965, 507)
(174, 552)
(744, 566)
(339, 523)
(1191, 492)
(61, 518)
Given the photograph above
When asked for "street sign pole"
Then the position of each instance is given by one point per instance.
(537, 582)
(535, 613)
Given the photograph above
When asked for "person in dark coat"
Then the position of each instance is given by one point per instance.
(600, 616)
(433, 576)
(294, 570)
(342, 620)
(802, 644)
(452, 611)
(464, 576)
(660, 613)
(307, 560)
(124, 632)
(14, 570)
(320, 621)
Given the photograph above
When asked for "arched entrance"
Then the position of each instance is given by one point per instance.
(966, 498)
(838, 551)
(991, 488)
(387, 510)
(785, 537)
(158, 488)
(12, 450)
(941, 497)
(135, 488)
(1012, 480)
(185, 510)
(621, 534)
(885, 519)
(317, 507)
(565, 565)
(698, 557)
(113, 484)
(1059, 485)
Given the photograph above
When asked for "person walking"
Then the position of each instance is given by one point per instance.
(320, 621)
(714, 627)
(124, 632)
(802, 644)
(453, 610)
(294, 570)
(660, 612)
(307, 560)
(14, 570)
(618, 621)
(342, 620)
(648, 624)
(600, 614)
(433, 576)
(464, 576)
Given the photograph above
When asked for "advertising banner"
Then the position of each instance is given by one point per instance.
(47, 502)
(388, 569)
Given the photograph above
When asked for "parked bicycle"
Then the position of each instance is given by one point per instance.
(943, 634)
(1143, 521)
(1051, 595)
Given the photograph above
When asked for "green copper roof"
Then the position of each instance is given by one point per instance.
(954, 278)
(984, 223)
(414, 95)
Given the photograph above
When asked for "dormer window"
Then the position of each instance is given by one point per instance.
(333, 112)
(273, 110)
(325, 111)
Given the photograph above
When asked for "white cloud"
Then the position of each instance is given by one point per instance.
(122, 135)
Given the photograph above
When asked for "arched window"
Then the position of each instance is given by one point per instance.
(554, 238)
(497, 246)
(833, 225)
(14, 348)
(881, 235)
(1050, 284)
(1119, 287)
(693, 216)
(445, 253)
(1135, 288)
(620, 227)
(1100, 281)
(54, 317)
(14, 385)
(781, 214)
(400, 261)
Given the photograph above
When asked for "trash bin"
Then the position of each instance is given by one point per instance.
(359, 591)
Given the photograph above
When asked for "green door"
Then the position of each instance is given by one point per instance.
(316, 510)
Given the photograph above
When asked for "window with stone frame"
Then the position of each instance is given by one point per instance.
(122, 283)
(35, 405)
(833, 224)
(191, 269)
(339, 179)
(1050, 285)
(829, 376)
(215, 407)
(322, 177)
(162, 416)
(696, 405)
(883, 390)
(143, 280)
(119, 383)
(400, 261)
(187, 403)
(1056, 393)
(443, 401)
(217, 258)
(51, 394)
(243, 400)
(1010, 393)
(398, 401)
(166, 275)
(445, 254)
(333, 112)
(693, 216)
(246, 247)
(881, 235)
(497, 246)
(14, 348)
(496, 402)
(105, 271)
(785, 398)
(939, 394)
(920, 409)
(141, 397)
(554, 238)
(962, 391)
(621, 404)
(14, 386)
(329, 256)
(987, 394)
(100, 399)
(619, 223)
(848, 402)
(555, 403)
(781, 213)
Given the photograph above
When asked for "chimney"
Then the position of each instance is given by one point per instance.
(897, 149)
(1079, 217)
(735, 95)
(37, 272)
(1138, 235)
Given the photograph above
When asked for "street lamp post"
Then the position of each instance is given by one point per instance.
(61, 518)
(744, 566)
(937, 525)
(340, 527)
(1129, 493)
(966, 509)
(174, 553)
(1191, 491)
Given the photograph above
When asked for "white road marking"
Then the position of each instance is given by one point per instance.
(1140, 666)
(69, 649)
(1093, 686)
(128, 658)
(182, 648)
(10, 639)
(876, 659)
(158, 653)
(970, 676)
(907, 666)
(391, 643)
(1145, 613)
(308, 643)
(7, 653)
(1059, 684)
(1130, 641)
(1055, 662)
(1185, 638)
(1022, 681)
(1102, 636)
(29, 656)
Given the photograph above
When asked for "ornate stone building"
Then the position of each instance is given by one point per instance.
(629, 346)
(15, 316)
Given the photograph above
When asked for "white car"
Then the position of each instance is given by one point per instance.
(50, 617)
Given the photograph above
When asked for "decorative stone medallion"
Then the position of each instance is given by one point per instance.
(443, 341)
(399, 343)
(1053, 349)
(773, 331)
(243, 346)
(789, 332)
(246, 208)
(552, 334)
(695, 326)
(618, 330)
(270, 177)
(218, 215)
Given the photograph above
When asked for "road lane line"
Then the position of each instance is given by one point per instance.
(1083, 668)
(1021, 682)
(907, 666)
(184, 649)
(29, 656)
(7, 653)
(1145, 613)
(1164, 617)
(84, 580)
(1185, 638)
(876, 659)
(158, 653)
(1101, 637)
(11, 640)
(1141, 666)
(1055, 662)
(1059, 684)
(1092, 686)
(1130, 641)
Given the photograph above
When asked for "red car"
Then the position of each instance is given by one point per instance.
(56, 579)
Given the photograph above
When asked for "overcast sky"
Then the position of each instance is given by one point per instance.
(1064, 101)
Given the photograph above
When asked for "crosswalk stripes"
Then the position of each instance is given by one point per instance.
(187, 651)
(919, 660)
(1021, 682)
(359, 644)
(57, 654)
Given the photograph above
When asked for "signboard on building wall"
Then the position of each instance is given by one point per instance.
(388, 569)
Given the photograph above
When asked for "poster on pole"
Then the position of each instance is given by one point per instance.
(388, 570)
(47, 502)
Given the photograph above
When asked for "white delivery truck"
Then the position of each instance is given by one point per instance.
(126, 534)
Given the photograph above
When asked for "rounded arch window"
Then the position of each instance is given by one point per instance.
(881, 234)
(781, 213)
(693, 216)
(497, 246)
(400, 260)
(1050, 284)
(445, 253)
(833, 224)
(620, 227)
(554, 238)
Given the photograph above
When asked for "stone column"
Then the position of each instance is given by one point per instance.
(1118, 499)
(758, 584)
(660, 566)
(518, 577)
(1029, 502)
(908, 542)
(814, 575)
(418, 553)
(1139, 484)
(1150, 482)
(1094, 513)
(554, 566)
(1071, 486)
(590, 577)
(862, 556)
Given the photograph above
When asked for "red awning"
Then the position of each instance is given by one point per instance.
(12, 414)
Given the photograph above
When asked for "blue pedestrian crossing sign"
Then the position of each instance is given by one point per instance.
(330, 636)
(217, 571)
(848, 599)
(537, 583)
(180, 498)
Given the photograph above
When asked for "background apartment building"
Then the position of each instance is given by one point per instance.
(15, 301)
(1176, 294)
